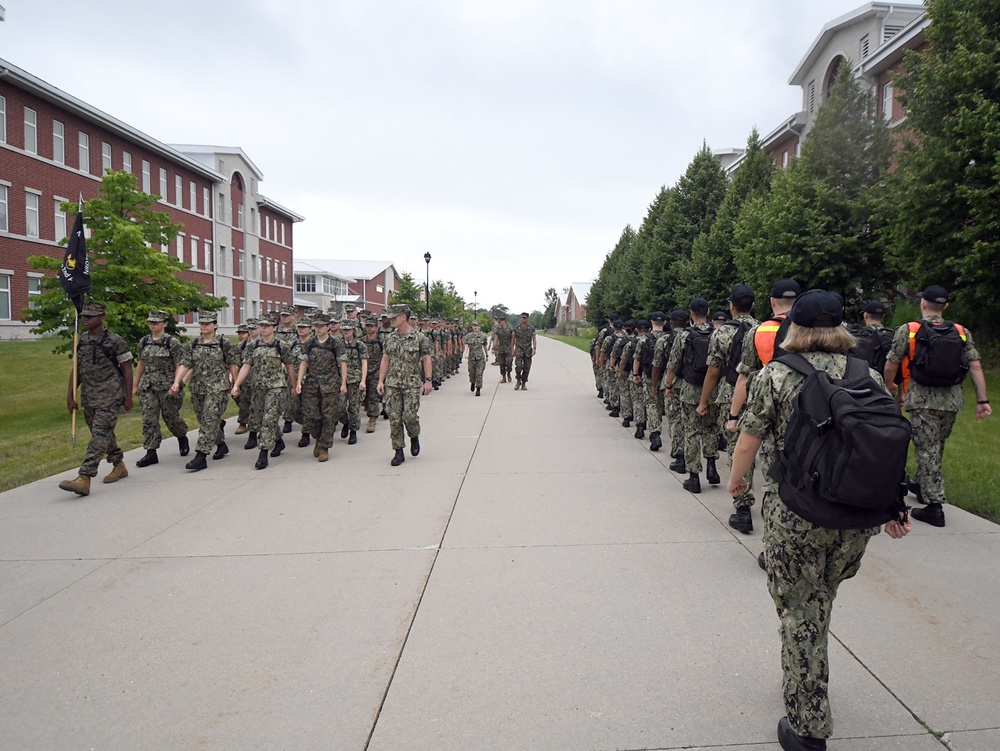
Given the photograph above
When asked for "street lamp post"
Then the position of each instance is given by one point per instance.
(475, 305)
(427, 285)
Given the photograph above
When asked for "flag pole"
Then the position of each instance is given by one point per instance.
(76, 341)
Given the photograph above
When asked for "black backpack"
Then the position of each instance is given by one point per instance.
(939, 355)
(694, 365)
(736, 349)
(646, 356)
(844, 460)
(872, 345)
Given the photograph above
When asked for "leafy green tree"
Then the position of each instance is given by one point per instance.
(551, 305)
(943, 207)
(817, 224)
(613, 285)
(710, 271)
(445, 300)
(499, 311)
(127, 270)
(408, 292)
(689, 211)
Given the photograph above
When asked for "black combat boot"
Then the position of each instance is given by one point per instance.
(790, 741)
(287, 427)
(184, 445)
(479, 392)
(655, 443)
(600, 393)
(640, 430)
(414, 445)
(397, 458)
(722, 444)
(304, 440)
(678, 465)
(932, 514)
(149, 458)
(279, 446)
(711, 473)
(261, 460)
(198, 463)
(692, 484)
(352, 438)
(615, 412)
(220, 451)
(627, 422)
(472, 387)
(741, 520)
(345, 430)
(251, 440)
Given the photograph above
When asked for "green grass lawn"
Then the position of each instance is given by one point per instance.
(971, 457)
(34, 424)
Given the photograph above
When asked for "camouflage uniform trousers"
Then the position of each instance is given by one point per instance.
(675, 425)
(156, 403)
(320, 412)
(292, 409)
(269, 405)
(624, 396)
(477, 366)
(373, 402)
(745, 499)
(522, 366)
(437, 370)
(638, 400)
(652, 405)
(701, 435)
(102, 422)
(931, 427)
(245, 400)
(611, 389)
(598, 380)
(402, 406)
(209, 409)
(505, 359)
(350, 410)
(805, 566)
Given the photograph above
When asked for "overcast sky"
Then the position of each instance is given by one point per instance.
(512, 140)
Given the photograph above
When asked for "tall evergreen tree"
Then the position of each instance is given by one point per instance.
(710, 270)
(816, 225)
(943, 212)
(127, 270)
(690, 210)
(606, 293)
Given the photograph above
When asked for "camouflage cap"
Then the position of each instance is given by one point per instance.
(208, 316)
(269, 319)
(242, 329)
(321, 319)
(371, 322)
(94, 309)
(158, 316)
(395, 310)
(252, 323)
(384, 313)
(350, 307)
(334, 321)
(303, 323)
(348, 325)
(287, 310)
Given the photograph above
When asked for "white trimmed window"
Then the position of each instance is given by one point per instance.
(284, 271)
(194, 252)
(243, 310)
(30, 213)
(60, 216)
(220, 213)
(240, 266)
(205, 201)
(58, 142)
(34, 289)
(239, 216)
(5, 297)
(30, 131)
(282, 233)
(208, 255)
(267, 226)
(105, 157)
(887, 99)
(180, 248)
(84, 152)
(3, 119)
(179, 191)
(127, 162)
(254, 223)
(193, 196)
(145, 176)
(4, 225)
(163, 185)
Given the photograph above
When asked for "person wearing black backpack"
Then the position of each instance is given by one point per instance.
(671, 408)
(935, 355)
(807, 561)
(725, 349)
(688, 362)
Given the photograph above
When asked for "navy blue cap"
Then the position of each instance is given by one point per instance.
(817, 308)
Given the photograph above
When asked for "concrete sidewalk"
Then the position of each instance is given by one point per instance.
(535, 580)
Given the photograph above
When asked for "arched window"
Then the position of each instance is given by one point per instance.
(831, 75)
(236, 197)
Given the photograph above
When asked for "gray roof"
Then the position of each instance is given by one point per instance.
(343, 269)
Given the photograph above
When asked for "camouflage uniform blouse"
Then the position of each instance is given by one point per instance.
(522, 339)
(355, 353)
(374, 356)
(160, 359)
(503, 339)
(405, 352)
(689, 393)
(323, 363)
(268, 361)
(210, 363)
(475, 342)
(918, 396)
(718, 354)
(101, 380)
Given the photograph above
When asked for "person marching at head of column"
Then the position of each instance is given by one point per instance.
(525, 345)
(353, 387)
(476, 344)
(322, 372)
(373, 402)
(159, 354)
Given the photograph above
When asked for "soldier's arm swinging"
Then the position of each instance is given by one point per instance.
(126, 370)
(739, 399)
(383, 368)
(712, 378)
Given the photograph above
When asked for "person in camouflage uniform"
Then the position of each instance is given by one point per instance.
(405, 358)
(805, 563)
(270, 368)
(242, 336)
(701, 438)
(104, 374)
(634, 378)
(322, 373)
(642, 377)
(373, 403)
(248, 417)
(502, 349)
(721, 378)
(353, 387)
(159, 354)
(304, 336)
(623, 363)
(288, 334)
(671, 412)
(611, 398)
(525, 345)
(436, 337)
(933, 409)
(475, 343)
(213, 361)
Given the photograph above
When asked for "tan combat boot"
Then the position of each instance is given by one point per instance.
(117, 472)
(323, 455)
(371, 425)
(241, 429)
(80, 486)
(316, 449)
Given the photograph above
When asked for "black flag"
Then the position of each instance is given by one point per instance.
(75, 272)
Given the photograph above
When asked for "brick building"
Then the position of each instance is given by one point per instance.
(334, 283)
(54, 148)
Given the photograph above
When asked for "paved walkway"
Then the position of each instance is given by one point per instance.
(536, 580)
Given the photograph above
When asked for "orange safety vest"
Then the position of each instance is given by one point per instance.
(763, 338)
(914, 327)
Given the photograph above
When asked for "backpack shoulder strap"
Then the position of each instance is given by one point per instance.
(798, 363)
(856, 368)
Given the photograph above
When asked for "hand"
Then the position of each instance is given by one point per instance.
(343, 388)
(362, 386)
(128, 403)
(427, 388)
(298, 389)
(736, 485)
(71, 404)
(235, 391)
(702, 409)
(175, 389)
(732, 426)
(670, 392)
(896, 530)
(983, 411)
(135, 389)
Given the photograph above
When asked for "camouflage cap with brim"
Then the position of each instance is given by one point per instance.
(350, 307)
(158, 316)
(394, 310)
(208, 316)
(252, 323)
(287, 310)
(348, 325)
(321, 319)
(269, 319)
(242, 329)
(94, 309)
